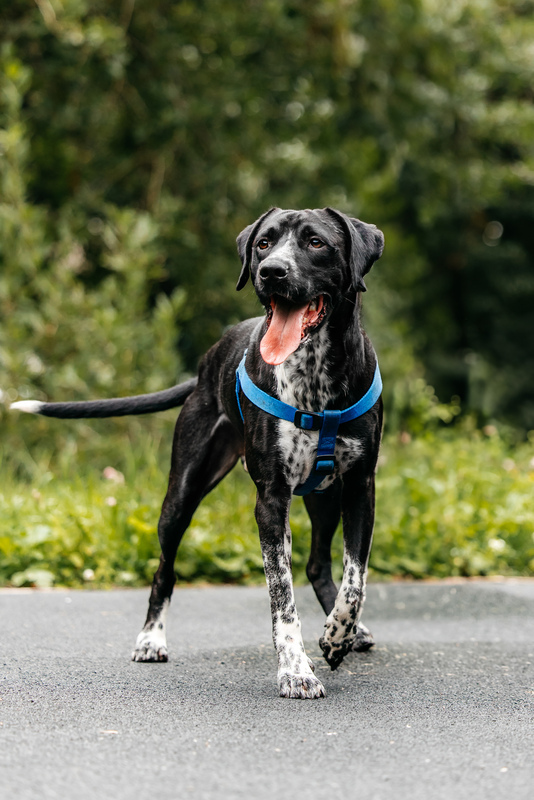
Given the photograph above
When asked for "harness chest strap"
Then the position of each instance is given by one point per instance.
(326, 422)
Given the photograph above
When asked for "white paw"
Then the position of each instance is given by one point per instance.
(340, 633)
(150, 653)
(300, 687)
(150, 646)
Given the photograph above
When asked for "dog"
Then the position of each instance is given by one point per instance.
(308, 354)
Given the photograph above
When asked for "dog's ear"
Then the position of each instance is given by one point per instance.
(245, 252)
(245, 240)
(365, 244)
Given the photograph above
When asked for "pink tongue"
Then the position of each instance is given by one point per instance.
(283, 334)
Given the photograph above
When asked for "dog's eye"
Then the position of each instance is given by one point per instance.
(263, 244)
(315, 242)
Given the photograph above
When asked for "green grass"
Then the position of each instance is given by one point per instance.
(453, 503)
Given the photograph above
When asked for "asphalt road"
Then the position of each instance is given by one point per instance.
(442, 707)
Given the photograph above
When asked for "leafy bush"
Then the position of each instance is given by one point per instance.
(62, 335)
(455, 503)
(114, 191)
(163, 110)
(448, 504)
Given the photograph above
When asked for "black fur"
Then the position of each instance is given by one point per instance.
(122, 406)
(210, 436)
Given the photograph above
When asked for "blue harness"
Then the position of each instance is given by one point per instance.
(326, 422)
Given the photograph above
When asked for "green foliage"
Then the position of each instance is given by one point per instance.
(192, 118)
(137, 140)
(455, 504)
(448, 505)
(62, 335)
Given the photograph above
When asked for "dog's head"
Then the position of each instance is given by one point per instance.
(302, 264)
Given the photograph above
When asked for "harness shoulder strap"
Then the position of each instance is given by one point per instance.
(273, 406)
(367, 401)
(326, 422)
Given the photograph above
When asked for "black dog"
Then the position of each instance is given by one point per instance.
(309, 352)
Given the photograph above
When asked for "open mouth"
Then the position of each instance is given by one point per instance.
(287, 326)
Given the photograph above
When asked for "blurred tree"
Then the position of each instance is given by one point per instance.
(195, 116)
(60, 335)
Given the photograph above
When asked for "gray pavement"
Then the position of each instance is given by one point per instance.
(442, 707)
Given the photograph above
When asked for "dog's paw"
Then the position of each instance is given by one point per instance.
(300, 687)
(150, 647)
(364, 639)
(334, 652)
(150, 653)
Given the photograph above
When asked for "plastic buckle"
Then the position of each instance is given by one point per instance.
(325, 465)
(308, 420)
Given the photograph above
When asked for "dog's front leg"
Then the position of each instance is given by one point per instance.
(295, 669)
(341, 627)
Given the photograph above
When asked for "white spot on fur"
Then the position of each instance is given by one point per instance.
(28, 406)
(151, 644)
(284, 252)
(295, 669)
(303, 382)
(342, 622)
(303, 379)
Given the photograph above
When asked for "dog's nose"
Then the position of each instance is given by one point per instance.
(273, 271)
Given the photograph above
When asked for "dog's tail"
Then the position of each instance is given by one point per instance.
(114, 407)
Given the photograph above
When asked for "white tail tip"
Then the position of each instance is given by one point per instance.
(29, 406)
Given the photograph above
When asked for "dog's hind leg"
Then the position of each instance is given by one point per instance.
(205, 449)
(324, 510)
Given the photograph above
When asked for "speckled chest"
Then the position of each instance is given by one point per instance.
(304, 382)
